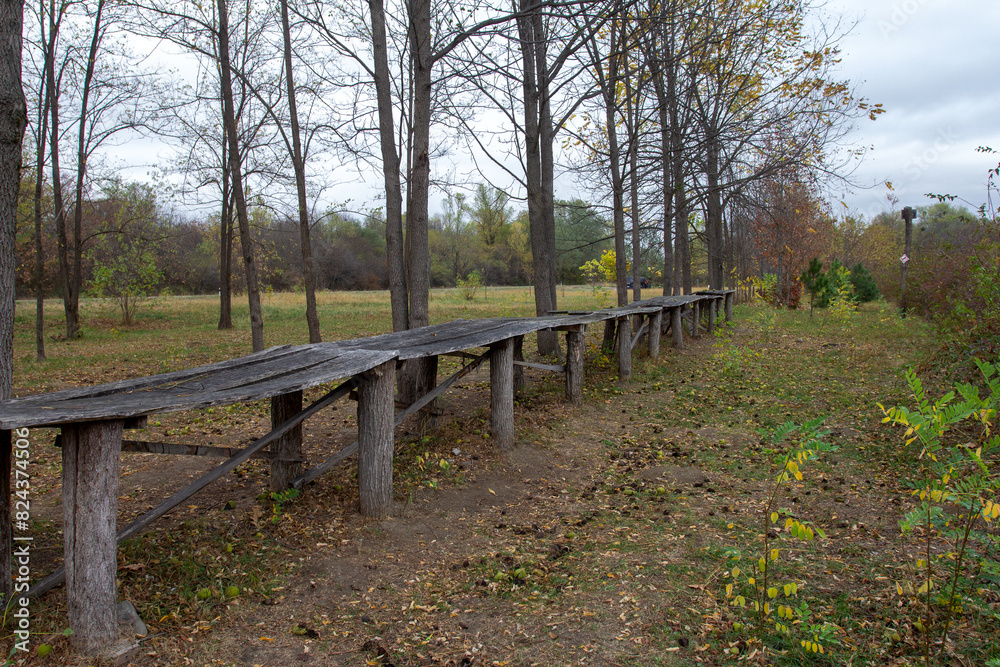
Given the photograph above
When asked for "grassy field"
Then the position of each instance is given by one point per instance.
(621, 533)
(180, 332)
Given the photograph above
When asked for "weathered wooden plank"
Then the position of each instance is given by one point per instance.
(178, 449)
(502, 394)
(557, 368)
(90, 459)
(173, 397)
(375, 440)
(574, 366)
(173, 501)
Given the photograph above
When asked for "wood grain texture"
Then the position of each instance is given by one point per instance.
(287, 448)
(375, 440)
(676, 327)
(502, 394)
(574, 366)
(624, 348)
(90, 457)
(655, 329)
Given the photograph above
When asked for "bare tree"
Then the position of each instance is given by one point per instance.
(13, 119)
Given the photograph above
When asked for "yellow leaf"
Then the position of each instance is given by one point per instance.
(774, 517)
(774, 554)
(772, 592)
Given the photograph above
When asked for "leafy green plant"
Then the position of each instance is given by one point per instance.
(957, 491)
(278, 500)
(470, 285)
(771, 605)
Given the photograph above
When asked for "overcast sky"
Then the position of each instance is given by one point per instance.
(933, 64)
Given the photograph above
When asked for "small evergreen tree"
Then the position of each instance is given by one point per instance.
(814, 281)
(865, 289)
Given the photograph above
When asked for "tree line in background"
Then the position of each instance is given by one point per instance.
(677, 115)
(702, 132)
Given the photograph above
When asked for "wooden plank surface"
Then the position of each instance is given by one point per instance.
(286, 369)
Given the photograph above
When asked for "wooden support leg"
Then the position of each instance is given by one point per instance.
(712, 306)
(90, 454)
(695, 318)
(502, 394)
(729, 306)
(655, 325)
(610, 331)
(288, 446)
(518, 370)
(375, 440)
(677, 327)
(624, 349)
(574, 367)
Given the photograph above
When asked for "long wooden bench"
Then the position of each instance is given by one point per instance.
(92, 421)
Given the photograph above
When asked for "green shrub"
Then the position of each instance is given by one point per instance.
(865, 289)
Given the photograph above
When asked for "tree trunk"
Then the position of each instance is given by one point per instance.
(298, 163)
(253, 290)
(395, 262)
(418, 261)
(713, 214)
(43, 128)
(667, 174)
(62, 240)
(542, 261)
(631, 124)
(83, 128)
(226, 247)
(548, 340)
(682, 255)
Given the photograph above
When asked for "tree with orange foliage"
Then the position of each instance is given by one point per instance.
(791, 226)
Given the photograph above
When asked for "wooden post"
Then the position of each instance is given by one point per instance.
(677, 327)
(624, 348)
(695, 319)
(655, 324)
(712, 306)
(518, 370)
(908, 215)
(90, 456)
(729, 306)
(502, 394)
(574, 366)
(375, 439)
(610, 331)
(288, 446)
